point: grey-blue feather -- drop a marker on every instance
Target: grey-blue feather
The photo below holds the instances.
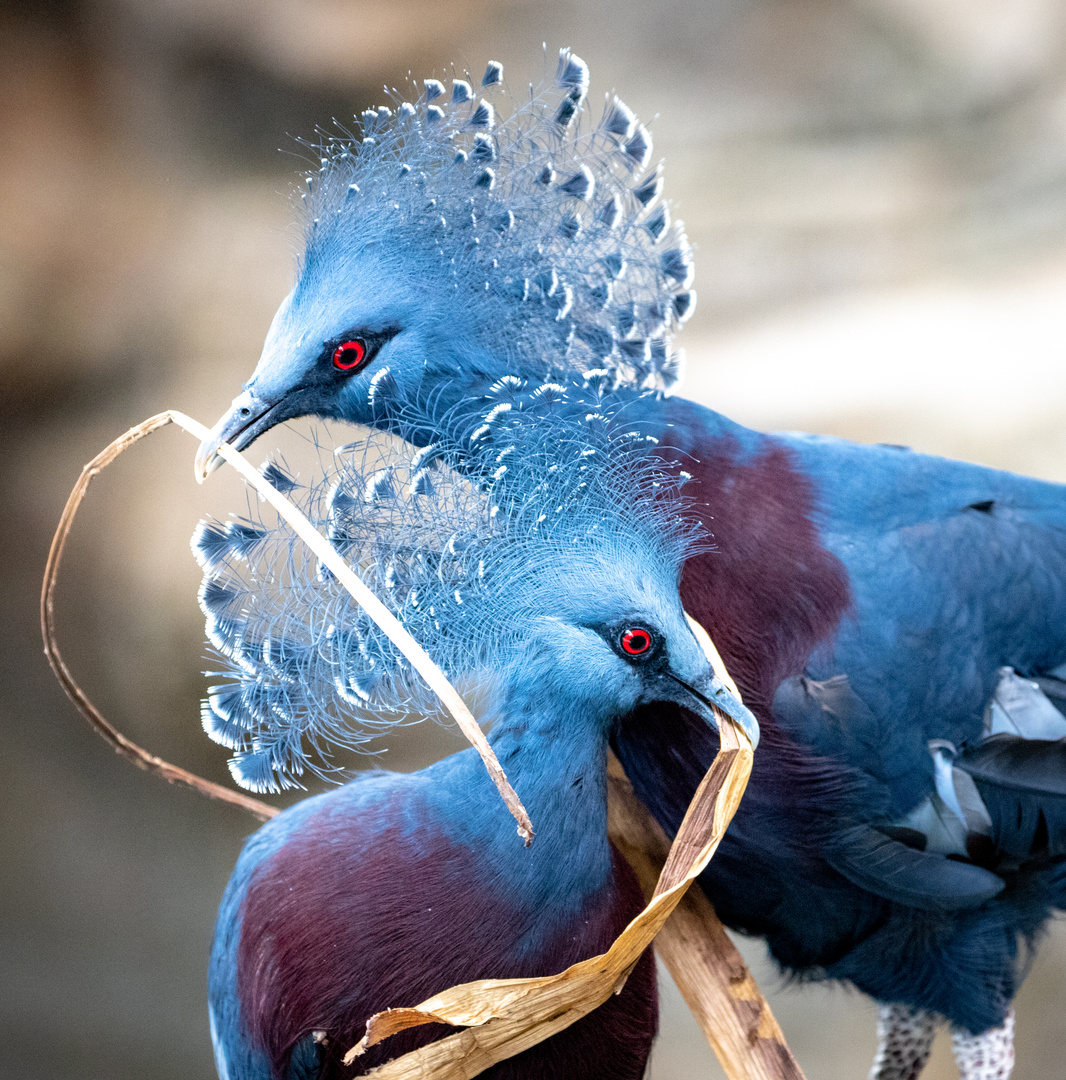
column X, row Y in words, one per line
column 565, row 198
column 467, row 542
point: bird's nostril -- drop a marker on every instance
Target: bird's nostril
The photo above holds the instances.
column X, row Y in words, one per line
column 246, row 411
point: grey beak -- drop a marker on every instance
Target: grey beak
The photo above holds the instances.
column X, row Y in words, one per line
column 699, row 697
column 248, row 417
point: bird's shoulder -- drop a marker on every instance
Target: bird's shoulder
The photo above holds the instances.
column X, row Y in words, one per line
column 884, row 487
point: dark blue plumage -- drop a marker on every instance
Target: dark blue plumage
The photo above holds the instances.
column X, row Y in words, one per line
column 865, row 598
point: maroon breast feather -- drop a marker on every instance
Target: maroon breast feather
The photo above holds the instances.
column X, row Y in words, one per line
column 770, row 592
column 339, row 924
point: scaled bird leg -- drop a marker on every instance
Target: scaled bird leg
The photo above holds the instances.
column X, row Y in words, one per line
column 904, row 1039
column 988, row 1056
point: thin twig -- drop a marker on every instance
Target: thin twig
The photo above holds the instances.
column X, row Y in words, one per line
column 393, row 628
column 121, row 744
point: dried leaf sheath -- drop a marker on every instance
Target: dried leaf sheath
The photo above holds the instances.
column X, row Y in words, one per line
column 506, row 1016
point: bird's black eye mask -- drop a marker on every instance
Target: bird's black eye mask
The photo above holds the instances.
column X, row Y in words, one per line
column 636, row 642
column 352, row 352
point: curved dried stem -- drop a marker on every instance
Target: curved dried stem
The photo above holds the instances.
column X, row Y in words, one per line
column 415, row 654
column 119, row 742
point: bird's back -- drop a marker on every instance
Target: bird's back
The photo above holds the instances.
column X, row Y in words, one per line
column 955, row 571
column 917, row 576
column 867, row 600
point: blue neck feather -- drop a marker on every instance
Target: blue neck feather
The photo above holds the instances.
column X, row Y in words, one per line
column 555, row 756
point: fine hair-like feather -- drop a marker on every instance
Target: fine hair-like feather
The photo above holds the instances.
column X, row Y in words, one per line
column 466, row 541
column 518, row 201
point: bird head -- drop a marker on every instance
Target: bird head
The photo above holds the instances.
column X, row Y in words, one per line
column 458, row 241
column 617, row 639
column 539, row 562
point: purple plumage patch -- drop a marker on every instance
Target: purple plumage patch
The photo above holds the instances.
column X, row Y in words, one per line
column 770, row 592
column 349, row 918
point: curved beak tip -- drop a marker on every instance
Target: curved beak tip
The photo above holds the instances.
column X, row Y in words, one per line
column 207, row 459
column 245, row 420
column 232, row 425
column 712, row 694
column 750, row 726
column 740, row 714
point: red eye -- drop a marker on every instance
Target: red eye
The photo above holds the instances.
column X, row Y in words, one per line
column 636, row 641
column 349, row 355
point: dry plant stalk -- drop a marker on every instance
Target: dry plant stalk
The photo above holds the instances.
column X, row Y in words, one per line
column 710, row 973
column 418, row 658
column 397, row 632
column 504, row 1017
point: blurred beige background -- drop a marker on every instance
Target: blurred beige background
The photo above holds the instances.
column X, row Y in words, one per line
column 877, row 193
